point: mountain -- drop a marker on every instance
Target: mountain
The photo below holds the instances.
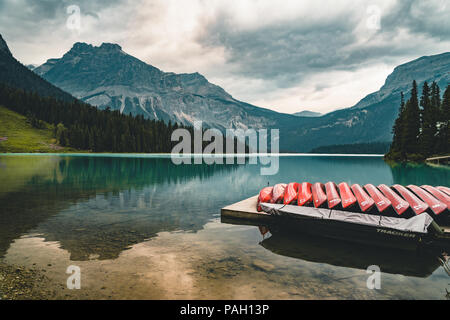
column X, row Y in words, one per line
column 16, row 75
column 372, row 118
column 106, row 76
column 307, row 113
column 37, row 104
column 4, row 47
column 428, row 68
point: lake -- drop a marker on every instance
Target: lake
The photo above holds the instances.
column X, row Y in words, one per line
column 141, row 227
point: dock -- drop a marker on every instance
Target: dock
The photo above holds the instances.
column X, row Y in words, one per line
column 439, row 160
column 244, row 210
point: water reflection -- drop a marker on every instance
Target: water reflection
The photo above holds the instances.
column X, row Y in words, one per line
column 420, row 174
column 96, row 207
column 350, row 255
column 100, row 206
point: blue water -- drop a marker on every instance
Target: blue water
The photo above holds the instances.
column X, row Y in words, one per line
column 116, row 211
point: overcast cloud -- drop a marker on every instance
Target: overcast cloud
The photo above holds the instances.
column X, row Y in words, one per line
column 283, row 55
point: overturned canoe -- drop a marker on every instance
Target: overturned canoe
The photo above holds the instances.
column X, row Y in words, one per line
column 395, row 201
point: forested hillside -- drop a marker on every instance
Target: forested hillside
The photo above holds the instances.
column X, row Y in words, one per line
column 84, row 127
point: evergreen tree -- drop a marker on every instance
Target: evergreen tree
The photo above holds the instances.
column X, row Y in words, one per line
column 436, row 113
column 411, row 124
column 396, row 149
column 443, row 141
column 428, row 121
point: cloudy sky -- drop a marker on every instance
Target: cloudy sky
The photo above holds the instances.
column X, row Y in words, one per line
column 284, row 55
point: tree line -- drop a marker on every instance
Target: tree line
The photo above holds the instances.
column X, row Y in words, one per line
column 422, row 128
column 85, row 127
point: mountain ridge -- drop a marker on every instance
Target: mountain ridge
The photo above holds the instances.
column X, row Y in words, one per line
column 16, row 75
column 4, row 47
column 107, row 76
column 307, row 113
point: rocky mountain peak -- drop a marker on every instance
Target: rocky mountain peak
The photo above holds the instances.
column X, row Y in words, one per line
column 110, row 47
column 80, row 47
column 426, row 68
column 83, row 48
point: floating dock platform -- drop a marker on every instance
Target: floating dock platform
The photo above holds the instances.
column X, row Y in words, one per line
column 244, row 213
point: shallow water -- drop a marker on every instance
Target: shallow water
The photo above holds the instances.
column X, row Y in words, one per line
column 142, row 227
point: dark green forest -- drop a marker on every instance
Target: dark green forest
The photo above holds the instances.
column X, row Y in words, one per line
column 85, row 127
column 422, row 128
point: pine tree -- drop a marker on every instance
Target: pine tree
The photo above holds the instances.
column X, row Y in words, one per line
column 436, row 114
column 396, row 149
column 411, row 128
column 443, row 145
column 428, row 121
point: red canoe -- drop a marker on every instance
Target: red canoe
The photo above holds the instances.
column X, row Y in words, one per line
column 436, row 206
column 415, row 203
column 347, row 197
column 364, row 201
column 290, row 193
column 265, row 195
column 304, row 193
column 319, row 196
column 441, row 196
column 381, row 201
column 332, row 195
column 399, row 205
column 278, row 193
column 444, row 190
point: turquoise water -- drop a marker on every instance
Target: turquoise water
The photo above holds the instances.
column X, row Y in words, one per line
column 147, row 222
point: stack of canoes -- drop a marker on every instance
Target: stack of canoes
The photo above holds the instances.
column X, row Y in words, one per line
column 396, row 200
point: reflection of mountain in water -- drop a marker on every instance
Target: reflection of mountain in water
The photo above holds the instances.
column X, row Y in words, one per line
column 102, row 205
column 349, row 255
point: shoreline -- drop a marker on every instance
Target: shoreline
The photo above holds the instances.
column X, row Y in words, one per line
column 19, row 283
column 94, row 154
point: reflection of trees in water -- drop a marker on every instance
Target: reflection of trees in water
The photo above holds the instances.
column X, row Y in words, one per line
column 107, row 223
column 115, row 173
column 420, row 174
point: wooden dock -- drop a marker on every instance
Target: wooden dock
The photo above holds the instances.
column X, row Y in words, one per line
column 439, row 160
column 245, row 209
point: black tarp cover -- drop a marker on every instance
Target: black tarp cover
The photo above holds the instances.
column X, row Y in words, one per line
column 417, row 224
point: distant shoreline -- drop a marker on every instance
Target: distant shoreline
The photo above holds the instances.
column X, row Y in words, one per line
column 99, row 154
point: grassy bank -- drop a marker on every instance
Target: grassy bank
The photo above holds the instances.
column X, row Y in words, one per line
column 17, row 135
